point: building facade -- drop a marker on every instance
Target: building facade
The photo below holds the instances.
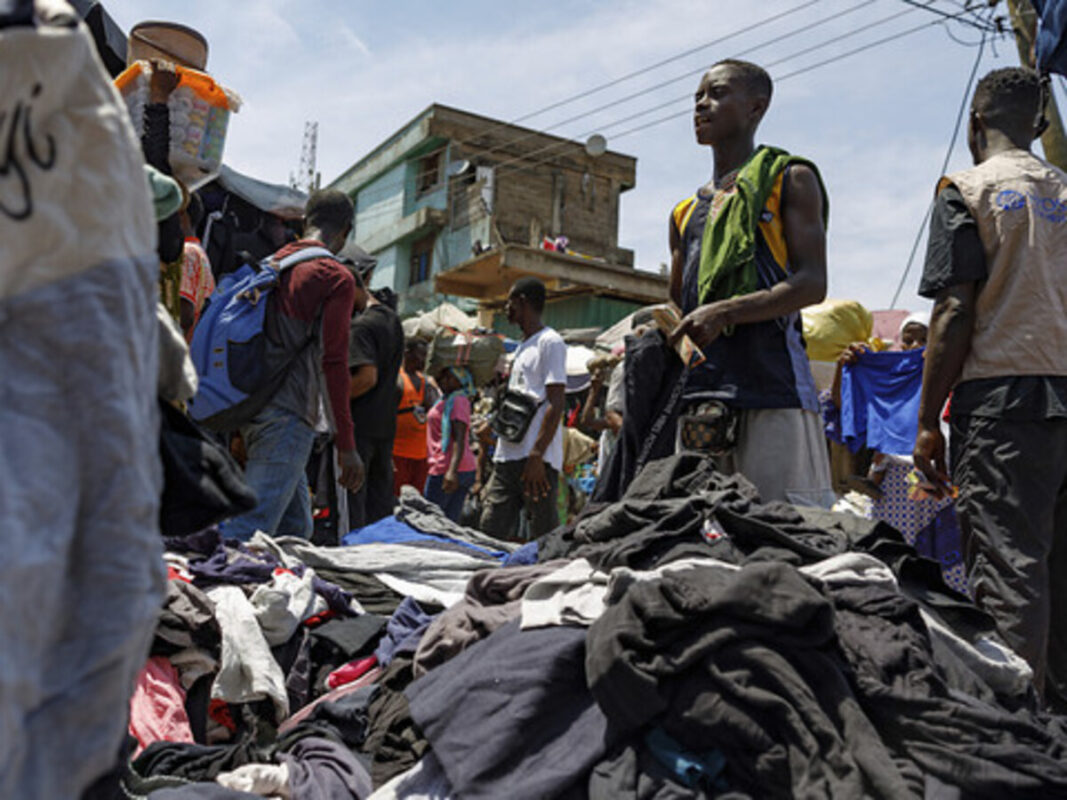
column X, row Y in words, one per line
column 455, row 204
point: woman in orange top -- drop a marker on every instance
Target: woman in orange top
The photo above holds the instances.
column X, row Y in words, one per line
column 409, row 447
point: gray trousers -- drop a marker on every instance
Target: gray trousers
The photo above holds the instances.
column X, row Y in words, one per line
column 504, row 499
column 1012, row 477
column 783, row 452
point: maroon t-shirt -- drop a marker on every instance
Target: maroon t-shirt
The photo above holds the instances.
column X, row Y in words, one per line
column 321, row 287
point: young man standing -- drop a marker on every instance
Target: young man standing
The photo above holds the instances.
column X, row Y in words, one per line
column 996, row 267
column 526, row 473
column 748, row 251
column 315, row 298
column 409, row 446
column 376, row 348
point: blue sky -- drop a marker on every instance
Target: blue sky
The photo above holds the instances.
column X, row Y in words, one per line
column 878, row 123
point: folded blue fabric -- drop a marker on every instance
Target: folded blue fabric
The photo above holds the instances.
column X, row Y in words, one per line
column 390, row 530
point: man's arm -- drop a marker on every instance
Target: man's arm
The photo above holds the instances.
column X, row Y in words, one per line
column 363, row 358
column 364, row 378
column 613, row 421
column 674, row 240
column 949, row 342
column 534, row 479
column 556, row 401
column 805, row 236
column 336, row 314
column 188, row 313
column 588, row 419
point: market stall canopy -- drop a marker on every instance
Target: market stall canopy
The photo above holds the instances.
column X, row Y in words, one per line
column 445, row 315
column 278, row 199
column 615, row 335
column 577, row 358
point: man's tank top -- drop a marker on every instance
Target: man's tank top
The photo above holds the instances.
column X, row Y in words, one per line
column 761, row 364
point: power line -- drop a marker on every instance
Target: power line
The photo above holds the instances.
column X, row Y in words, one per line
column 944, row 167
column 779, row 79
column 519, row 163
column 643, row 70
column 569, row 141
column 779, row 61
column 691, row 73
column 664, row 62
column 978, row 22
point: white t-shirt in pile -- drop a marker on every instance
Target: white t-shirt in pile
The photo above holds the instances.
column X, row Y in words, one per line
column 540, row 361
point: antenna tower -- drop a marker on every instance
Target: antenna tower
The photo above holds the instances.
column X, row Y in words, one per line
column 306, row 178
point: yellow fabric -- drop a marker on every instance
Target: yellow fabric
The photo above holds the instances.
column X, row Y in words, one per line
column 170, row 281
column 577, row 448
column 833, row 325
column 682, row 212
column 771, row 225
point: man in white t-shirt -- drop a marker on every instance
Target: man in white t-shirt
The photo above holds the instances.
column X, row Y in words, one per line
column 526, row 473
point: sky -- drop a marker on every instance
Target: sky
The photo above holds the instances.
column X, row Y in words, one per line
column 878, row 123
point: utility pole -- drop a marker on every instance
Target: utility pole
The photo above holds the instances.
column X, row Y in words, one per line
column 1024, row 26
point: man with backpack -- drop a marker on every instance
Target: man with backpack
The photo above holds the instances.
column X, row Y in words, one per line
column 308, row 316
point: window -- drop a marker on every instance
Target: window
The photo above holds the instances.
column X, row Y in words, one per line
column 462, row 192
column 421, row 260
column 428, row 174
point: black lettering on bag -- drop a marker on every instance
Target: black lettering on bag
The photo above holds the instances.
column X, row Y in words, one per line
column 16, row 128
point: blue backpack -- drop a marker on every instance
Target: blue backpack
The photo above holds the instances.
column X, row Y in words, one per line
column 240, row 369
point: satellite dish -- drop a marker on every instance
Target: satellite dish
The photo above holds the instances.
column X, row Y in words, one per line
column 457, row 168
column 596, row 145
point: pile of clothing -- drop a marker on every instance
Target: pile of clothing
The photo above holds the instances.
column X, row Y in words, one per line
column 686, row 641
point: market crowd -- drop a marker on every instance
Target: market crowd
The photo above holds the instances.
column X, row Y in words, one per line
column 398, row 566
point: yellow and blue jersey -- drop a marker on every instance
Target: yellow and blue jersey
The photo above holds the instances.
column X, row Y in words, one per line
column 761, row 364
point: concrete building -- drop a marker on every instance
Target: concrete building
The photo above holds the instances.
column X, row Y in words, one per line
column 459, row 205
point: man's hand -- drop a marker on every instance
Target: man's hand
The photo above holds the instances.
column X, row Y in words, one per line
column 534, row 480
column 450, row 482
column 703, row 325
column 352, row 471
column 929, row 456
column 852, row 353
column 164, row 81
column 483, row 432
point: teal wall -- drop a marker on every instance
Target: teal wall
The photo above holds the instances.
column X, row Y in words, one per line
column 380, row 204
column 586, row 311
column 392, row 267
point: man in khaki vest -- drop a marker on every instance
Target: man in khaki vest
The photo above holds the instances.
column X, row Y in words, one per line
column 997, row 267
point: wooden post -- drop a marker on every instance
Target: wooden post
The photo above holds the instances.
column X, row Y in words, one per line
column 1024, row 26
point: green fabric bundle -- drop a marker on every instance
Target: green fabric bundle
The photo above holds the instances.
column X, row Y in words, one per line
column 728, row 248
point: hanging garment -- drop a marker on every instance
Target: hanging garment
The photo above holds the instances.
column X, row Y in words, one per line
column 880, row 401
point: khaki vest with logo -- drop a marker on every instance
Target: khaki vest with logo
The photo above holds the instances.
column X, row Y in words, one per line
column 1020, row 205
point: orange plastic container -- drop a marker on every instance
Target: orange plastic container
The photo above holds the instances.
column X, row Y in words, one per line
column 200, row 111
